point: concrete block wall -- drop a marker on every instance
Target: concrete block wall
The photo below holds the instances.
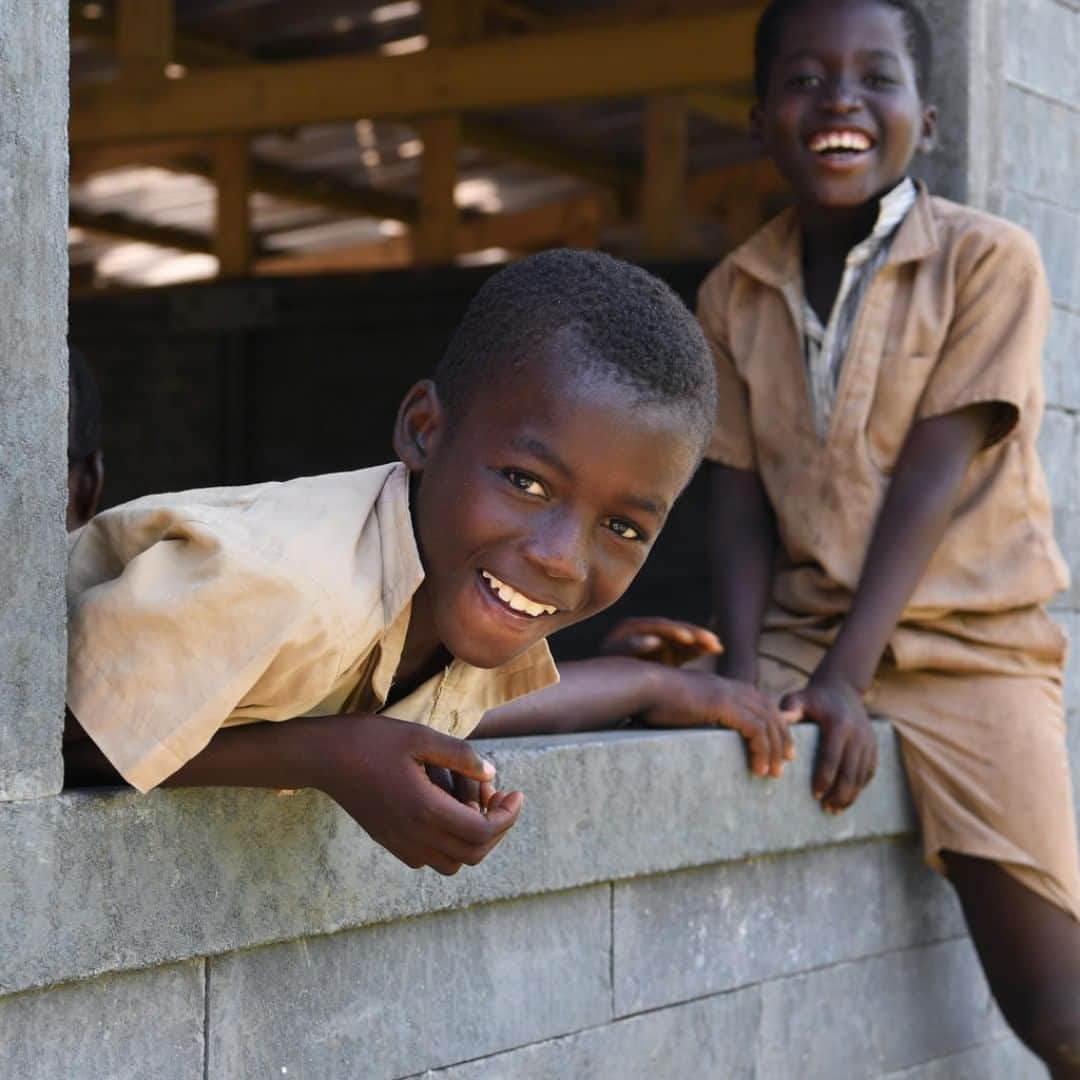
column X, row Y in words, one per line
column 733, row 931
column 658, row 912
column 1041, row 91
column 33, row 391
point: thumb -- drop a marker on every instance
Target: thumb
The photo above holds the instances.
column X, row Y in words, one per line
column 793, row 705
column 454, row 754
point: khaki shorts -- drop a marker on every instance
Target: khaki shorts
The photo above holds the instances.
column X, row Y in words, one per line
column 987, row 764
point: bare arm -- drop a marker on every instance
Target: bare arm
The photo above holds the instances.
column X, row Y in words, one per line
column 596, row 693
column 374, row 767
column 742, row 545
column 913, row 519
column 591, row 694
column 916, row 512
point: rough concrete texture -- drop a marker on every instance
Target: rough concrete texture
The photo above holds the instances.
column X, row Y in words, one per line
column 121, row 1027
column 888, row 1014
column 33, row 391
column 1062, row 349
column 97, row 882
column 702, row 932
column 710, row 1038
column 1059, row 444
column 969, row 46
column 878, row 1015
column 1056, row 228
column 1044, row 146
column 1005, row 1060
column 390, row 1000
column 1043, row 57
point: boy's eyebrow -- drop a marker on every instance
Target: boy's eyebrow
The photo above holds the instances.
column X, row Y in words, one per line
column 656, row 507
column 865, row 54
column 541, row 450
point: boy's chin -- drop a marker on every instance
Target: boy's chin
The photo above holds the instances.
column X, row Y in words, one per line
column 480, row 653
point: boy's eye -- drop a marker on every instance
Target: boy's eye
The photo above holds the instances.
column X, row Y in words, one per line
column 624, row 529
column 880, row 80
column 526, row 483
column 804, row 82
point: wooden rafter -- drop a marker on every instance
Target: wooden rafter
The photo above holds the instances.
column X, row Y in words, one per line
column 575, row 220
column 656, row 56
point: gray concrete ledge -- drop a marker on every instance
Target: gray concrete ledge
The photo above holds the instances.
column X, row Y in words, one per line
column 92, row 882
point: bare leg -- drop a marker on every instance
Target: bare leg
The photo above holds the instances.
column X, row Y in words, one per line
column 1030, row 951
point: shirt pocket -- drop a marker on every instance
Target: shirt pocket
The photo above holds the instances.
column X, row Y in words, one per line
column 901, row 382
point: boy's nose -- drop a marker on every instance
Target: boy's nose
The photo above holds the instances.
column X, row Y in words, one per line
column 840, row 96
column 560, row 551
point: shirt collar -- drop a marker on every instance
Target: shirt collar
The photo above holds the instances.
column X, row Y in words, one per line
column 773, row 254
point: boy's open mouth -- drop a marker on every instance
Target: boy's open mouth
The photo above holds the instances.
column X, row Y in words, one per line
column 840, row 144
column 516, row 601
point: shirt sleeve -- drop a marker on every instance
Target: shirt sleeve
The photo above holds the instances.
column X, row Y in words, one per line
column 172, row 626
column 732, row 441
column 993, row 350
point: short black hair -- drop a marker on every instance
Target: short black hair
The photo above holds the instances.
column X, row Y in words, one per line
column 84, row 408
column 626, row 323
column 920, row 40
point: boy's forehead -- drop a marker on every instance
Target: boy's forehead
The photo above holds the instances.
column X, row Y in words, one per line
column 823, row 26
column 566, row 413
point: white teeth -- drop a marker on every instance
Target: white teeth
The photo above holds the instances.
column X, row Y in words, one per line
column 839, row 140
column 515, row 600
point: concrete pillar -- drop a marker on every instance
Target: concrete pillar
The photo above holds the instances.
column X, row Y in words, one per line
column 969, row 91
column 33, row 391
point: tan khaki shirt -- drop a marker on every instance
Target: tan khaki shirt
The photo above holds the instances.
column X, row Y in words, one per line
column 956, row 315
column 191, row 611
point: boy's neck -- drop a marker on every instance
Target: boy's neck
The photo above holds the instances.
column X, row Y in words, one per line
column 829, row 233
column 423, row 654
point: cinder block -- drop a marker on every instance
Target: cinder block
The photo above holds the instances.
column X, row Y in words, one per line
column 919, row 905
column 33, row 393
column 184, row 874
column 706, row 931
column 716, row 1037
column 391, row 1000
column 1059, row 445
column 1007, row 1059
column 1067, row 533
column 879, row 1015
column 1058, row 232
column 1062, row 359
column 1043, row 137
column 1043, row 56
column 121, row 1027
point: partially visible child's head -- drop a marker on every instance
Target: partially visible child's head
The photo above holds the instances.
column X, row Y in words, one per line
column 86, row 468
column 570, row 410
column 842, row 88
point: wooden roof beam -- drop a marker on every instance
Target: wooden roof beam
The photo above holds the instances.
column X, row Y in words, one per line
column 654, row 56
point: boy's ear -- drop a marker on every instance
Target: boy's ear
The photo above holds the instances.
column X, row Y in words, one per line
column 756, row 122
column 421, row 421
column 86, row 478
column 928, row 138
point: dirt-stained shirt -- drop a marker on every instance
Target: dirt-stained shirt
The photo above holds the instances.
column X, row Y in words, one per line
column 188, row 612
column 955, row 316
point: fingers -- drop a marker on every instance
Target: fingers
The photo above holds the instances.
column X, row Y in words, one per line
column 441, row 778
column 829, row 754
column 856, row 769
column 466, row 791
column 648, row 636
column 434, row 748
